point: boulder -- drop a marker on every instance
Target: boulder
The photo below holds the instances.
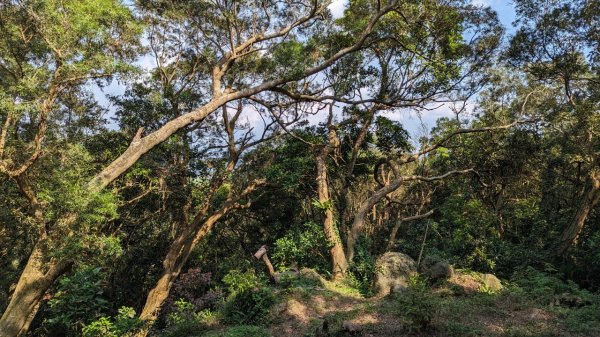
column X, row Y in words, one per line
column 439, row 271
column 351, row 327
column 570, row 300
column 310, row 274
column 393, row 271
column 491, row 282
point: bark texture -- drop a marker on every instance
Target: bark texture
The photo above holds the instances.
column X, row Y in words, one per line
column 35, row 280
column 180, row 251
column 338, row 258
column 591, row 197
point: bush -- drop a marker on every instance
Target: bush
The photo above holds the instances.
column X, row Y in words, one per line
column 305, row 246
column 78, row 301
column 191, row 293
column 417, row 305
column 250, row 306
column 235, row 281
column 541, row 286
column 125, row 324
column 185, row 321
column 362, row 269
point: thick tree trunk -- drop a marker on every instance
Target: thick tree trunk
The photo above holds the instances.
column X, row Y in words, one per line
column 172, row 264
column 338, row 258
column 176, row 258
column 35, row 280
column 591, row 197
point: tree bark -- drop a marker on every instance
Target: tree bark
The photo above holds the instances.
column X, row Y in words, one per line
column 591, row 197
column 179, row 253
column 338, row 258
column 359, row 219
column 399, row 222
column 33, row 283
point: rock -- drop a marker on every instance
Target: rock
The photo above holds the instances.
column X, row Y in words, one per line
column 351, row 327
column 439, row 271
column 491, row 282
column 393, row 271
column 310, row 274
column 570, row 300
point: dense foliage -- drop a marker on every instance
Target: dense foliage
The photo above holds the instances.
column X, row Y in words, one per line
column 149, row 148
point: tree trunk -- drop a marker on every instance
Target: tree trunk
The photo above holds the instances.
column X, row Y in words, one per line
column 35, row 280
column 338, row 258
column 399, row 223
column 359, row 219
column 180, row 251
column 591, row 197
column 172, row 264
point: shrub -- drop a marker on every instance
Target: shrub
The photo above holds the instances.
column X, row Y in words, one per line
column 77, row 301
column 305, row 246
column 235, row 281
column 193, row 291
column 249, row 306
column 125, row 324
column 185, row 321
column 362, row 269
column 540, row 286
column 183, row 312
column 417, row 305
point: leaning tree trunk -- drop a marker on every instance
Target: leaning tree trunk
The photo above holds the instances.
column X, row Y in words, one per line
column 36, row 278
column 180, row 251
column 176, row 258
column 359, row 219
column 338, row 258
column 591, row 198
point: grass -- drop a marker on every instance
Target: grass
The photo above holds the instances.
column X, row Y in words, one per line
column 444, row 311
column 239, row 331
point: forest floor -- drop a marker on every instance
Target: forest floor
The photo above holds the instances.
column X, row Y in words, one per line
column 459, row 307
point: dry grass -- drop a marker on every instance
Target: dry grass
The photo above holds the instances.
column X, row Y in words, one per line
column 461, row 310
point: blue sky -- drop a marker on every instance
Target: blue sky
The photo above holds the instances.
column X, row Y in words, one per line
column 419, row 125
column 415, row 124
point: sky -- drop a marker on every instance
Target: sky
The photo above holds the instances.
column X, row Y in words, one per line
column 419, row 125
column 416, row 125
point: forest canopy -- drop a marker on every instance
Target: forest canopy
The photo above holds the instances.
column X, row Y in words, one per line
column 207, row 167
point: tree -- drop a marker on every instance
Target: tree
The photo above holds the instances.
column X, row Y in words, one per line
column 557, row 45
column 419, row 57
column 49, row 51
column 246, row 51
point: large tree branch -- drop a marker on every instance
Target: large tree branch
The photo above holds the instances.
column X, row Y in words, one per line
column 138, row 148
column 359, row 219
column 440, row 143
column 399, row 223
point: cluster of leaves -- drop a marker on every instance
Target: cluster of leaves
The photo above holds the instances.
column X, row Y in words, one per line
column 248, row 300
column 417, row 304
column 305, row 246
column 362, row 270
column 78, row 300
column 125, row 324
